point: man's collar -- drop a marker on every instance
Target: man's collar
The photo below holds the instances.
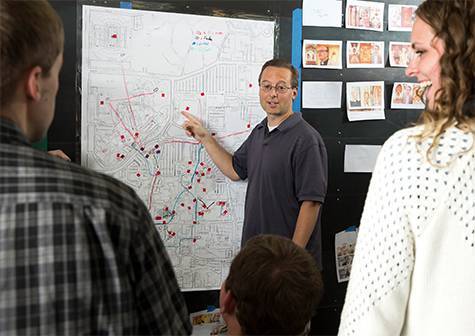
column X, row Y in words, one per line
column 10, row 133
column 288, row 123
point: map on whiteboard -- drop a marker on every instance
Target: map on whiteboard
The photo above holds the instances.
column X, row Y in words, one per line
column 140, row 69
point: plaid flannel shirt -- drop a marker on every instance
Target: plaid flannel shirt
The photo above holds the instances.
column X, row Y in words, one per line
column 79, row 253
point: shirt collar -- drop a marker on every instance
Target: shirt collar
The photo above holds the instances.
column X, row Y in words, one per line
column 286, row 124
column 11, row 134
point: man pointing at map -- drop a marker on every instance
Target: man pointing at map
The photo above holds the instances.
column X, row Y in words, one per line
column 284, row 161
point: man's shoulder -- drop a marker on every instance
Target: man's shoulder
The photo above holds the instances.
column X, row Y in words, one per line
column 307, row 131
column 42, row 175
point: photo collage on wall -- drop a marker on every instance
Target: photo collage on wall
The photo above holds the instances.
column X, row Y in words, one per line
column 365, row 100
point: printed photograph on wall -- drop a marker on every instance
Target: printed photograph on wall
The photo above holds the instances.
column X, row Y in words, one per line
column 407, row 96
column 365, row 100
column 322, row 54
column 365, row 54
column 401, row 17
column 400, row 54
column 364, row 15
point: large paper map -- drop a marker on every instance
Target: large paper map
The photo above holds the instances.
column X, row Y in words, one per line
column 140, row 69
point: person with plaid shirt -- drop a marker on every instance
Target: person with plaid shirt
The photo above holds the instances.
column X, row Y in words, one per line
column 79, row 253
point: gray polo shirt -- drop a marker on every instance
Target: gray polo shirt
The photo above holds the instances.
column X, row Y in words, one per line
column 284, row 168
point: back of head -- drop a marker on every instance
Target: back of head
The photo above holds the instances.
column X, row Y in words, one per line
column 31, row 34
column 276, row 285
column 453, row 21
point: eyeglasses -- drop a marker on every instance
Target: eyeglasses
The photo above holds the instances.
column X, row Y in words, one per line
column 279, row 88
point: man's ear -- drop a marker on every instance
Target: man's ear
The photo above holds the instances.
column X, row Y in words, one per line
column 294, row 93
column 229, row 303
column 33, row 83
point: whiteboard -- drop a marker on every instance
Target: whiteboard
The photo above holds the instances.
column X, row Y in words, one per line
column 140, row 69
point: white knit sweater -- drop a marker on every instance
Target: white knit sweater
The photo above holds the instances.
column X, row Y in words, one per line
column 414, row 268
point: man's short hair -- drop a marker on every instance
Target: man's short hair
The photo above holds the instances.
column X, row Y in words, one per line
column 280, row 63
column 26, row 42
column 276, row 286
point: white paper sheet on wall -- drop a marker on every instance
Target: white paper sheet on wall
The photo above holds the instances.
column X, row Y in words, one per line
column 321, row 94
column 361, row 158
column 322, row 13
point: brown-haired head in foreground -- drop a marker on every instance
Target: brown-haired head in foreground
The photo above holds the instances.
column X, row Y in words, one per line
column 31, row 34
column 276, row 286
column 280, row 63
column 453, row 21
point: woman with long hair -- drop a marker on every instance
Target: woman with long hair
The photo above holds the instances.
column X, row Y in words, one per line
column 414, row 266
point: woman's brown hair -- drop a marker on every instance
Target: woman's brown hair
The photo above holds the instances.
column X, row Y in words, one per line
column 452, row 21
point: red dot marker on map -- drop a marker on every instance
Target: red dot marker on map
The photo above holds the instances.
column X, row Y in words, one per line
column 187, row 108
column 250, row 85
column 248, row 126
column 114, row 36
column 101, row 102
column 194, row 240
column 158, row 172
column 202, row 94
column 138, row 174
column 122, row 137
column 163, row 95
column 158, row 217
column 136, row 134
